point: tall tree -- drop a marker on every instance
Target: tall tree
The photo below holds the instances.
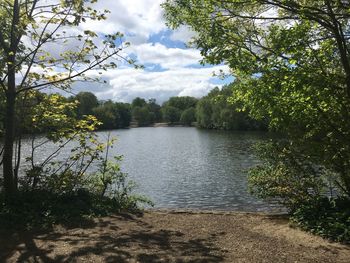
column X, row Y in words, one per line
column 155, row 109
column 182, row 103
column 214, row 111
column 87, row 101
column 29, row 30
column 138, row 102
column 171, row 114
column 292, row 61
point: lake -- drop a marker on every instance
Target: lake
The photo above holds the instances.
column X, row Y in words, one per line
column 186, row 167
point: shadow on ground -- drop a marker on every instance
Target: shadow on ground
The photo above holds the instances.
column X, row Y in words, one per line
column 122, row 238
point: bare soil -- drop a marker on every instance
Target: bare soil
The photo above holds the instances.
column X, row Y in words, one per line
column 174, row 236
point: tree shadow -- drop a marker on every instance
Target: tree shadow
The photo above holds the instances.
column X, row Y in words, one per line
column 116, row 239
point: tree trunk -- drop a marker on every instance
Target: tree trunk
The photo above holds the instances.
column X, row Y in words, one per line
column 9, row 182
column 10, row 185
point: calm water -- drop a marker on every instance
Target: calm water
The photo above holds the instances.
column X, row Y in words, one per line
column 182, row 167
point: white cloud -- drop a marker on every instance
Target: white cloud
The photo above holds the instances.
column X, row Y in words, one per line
column 126, row 84
column 139, row 18
column 167, row 58
column 183, row 33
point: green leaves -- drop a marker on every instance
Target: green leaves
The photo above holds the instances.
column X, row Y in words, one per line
column 291, row 62
column 47, row 26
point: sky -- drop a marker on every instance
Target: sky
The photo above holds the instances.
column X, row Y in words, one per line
column 171, row 69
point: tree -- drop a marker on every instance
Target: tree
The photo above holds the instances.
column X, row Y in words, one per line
column 203, row 113
column 2, row 110
column 28, row 30
column 124, row 111
column 107, row 113
column 215, row 111
column 188, row 116
column 113, row 115
column 145, row 113
column 173, row 109
column 182, row 103
column 292, row 63
column 155, row 109
column 171, row 114
column 54, row 115
column 87, row 101
column 141, row 115
column 138, row 102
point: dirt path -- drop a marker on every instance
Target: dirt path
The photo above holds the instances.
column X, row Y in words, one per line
column 174, row 237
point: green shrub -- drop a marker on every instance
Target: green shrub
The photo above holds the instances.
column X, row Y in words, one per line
column 68, row 202
column 329, row 218
column 40, row 208
column 293, row 179
column 285, row 175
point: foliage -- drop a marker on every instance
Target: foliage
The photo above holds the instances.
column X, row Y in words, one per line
column 171, row 114
column 28, row 30
column 204, row 113
column 113, row 115
column 54, row 115
column 110, row 181
column 71, row 195
column 329, row 218
column 174, row 108
column 51, row 114
column 2, row 111
column 138, row 102
column 188, row 116
column 142, row 115
column 291, row 61
column 87, row 101
column 215, row 111
column 124, row 112
column 182, row 103
column 107, row 114
column 43, row 209
column 308, row 191
column 291, row 67
column 155, row 110
column 286, row 176
column 145, row 113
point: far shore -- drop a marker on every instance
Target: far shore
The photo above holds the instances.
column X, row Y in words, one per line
column 174, row 236
column 162, row 124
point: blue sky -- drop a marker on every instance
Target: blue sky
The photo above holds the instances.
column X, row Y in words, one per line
column 171, row 69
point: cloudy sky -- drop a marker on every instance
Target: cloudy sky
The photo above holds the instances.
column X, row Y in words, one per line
column 171, row 69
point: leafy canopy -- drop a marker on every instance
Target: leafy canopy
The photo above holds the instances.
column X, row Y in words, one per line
column 291, row 61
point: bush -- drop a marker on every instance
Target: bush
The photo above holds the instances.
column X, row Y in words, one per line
column 293, row 179
column 105, row 192
column 285, row 176
column 329, row 218
column 43, row 209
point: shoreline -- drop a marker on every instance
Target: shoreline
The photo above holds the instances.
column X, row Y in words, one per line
column 214, row 211
column 174, row 236
column 160, row 124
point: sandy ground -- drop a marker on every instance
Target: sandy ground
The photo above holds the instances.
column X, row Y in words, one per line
column 165, row 236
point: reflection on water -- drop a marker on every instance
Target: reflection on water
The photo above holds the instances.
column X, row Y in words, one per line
column 190, row 168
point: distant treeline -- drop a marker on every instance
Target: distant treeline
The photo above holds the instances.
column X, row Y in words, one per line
column 213, row 111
